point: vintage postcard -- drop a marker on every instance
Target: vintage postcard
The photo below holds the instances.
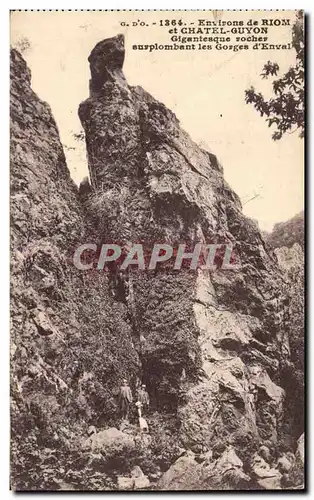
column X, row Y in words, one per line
column 157, row 250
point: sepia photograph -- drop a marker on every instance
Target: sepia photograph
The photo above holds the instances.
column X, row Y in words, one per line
column 157, row 250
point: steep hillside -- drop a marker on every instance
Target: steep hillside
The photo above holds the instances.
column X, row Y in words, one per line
column 287, row 239
column 285, row 234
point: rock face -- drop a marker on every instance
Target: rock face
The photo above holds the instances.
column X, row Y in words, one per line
column 137, row 481
column 223, row 328
column 45, row 223
column 291, row 262
column 288, row 240
column 285, row 234
column 224, row 473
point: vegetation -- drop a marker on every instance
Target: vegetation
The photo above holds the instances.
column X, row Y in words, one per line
column 285, row 109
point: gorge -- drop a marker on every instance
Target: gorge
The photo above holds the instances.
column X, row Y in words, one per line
column 212, row 346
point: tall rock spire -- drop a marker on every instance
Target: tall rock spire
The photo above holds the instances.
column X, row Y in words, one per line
column 152, row 183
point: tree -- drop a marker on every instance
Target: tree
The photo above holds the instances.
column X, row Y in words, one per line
column 23, row 45
column 286, row 109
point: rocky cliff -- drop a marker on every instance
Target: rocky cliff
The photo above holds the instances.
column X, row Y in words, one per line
column 211, row 346
column 65, row 363
column 223, row 329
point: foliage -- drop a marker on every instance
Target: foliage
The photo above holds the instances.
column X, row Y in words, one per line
column 103, row 348
column 286, row 109
column 23, row 45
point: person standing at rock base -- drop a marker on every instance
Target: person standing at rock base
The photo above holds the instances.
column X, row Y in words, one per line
column 143, row 397
column 125, row 399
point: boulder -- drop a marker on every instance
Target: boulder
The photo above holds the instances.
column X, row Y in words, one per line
column 228, row 459
column 270, row 483
column 261, row 380
column 137, row 472
column 110, row 443
column 141, row 483
column 125, row 483
column 266, row 476
column 284, row 464
column 137, row 481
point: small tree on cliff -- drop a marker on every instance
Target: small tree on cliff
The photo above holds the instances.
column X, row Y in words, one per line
column 23, row 45
column 286, row 108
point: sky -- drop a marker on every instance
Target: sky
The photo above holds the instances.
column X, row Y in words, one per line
column 205, row 89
